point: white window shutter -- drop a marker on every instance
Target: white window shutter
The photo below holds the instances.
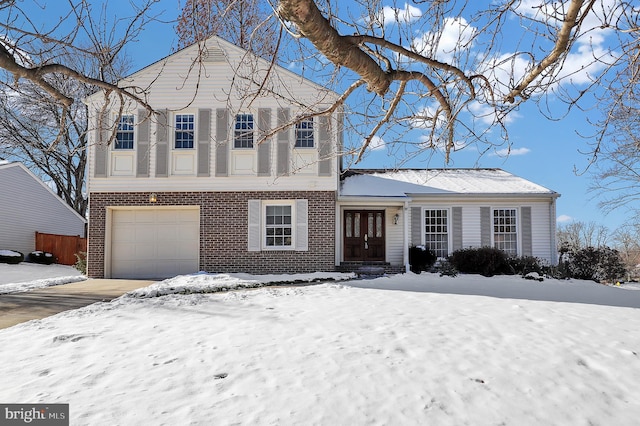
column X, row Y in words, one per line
column 302, row 225
column 254, row 225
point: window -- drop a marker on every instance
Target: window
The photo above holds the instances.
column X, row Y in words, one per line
column 278, row 230
column 436, row 235
column 124, row 135
column 505, row 234
column 243, row 133
column 184, row 131
column 304, row 133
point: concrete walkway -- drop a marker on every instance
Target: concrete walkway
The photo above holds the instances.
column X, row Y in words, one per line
column 40, row 303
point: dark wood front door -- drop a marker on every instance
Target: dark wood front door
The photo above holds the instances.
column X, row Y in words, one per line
column 363, row 235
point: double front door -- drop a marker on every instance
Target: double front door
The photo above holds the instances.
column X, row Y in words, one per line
column 363, row 235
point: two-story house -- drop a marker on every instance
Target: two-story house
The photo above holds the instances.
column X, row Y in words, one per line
column 220, row 180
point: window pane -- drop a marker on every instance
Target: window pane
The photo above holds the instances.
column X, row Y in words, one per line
column 124, row 135
column 278, row 228
column 436, row 231
column 349, row 225
column 243, row 133
column 184, row 131
column 505, row 235
column 304, row 134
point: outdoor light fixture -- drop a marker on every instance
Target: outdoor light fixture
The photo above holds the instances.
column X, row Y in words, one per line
column 396, row 218
column 153, row 197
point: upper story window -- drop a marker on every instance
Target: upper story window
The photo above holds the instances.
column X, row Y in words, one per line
column 243, row 132
column 124, row 135
column 436, row 235
column 505, row 234
column 304, row 134
column 184, row 131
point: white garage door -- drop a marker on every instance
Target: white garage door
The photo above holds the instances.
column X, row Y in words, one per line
column 158, row 243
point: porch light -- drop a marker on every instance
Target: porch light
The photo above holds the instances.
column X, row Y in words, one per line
column 396, row 218
column 153, row 197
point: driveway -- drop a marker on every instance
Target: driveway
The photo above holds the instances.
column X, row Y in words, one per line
column 36, row 304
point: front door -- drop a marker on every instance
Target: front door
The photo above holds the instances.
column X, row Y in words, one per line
column 363, row 235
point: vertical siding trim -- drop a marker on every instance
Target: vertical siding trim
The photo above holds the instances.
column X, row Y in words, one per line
column 222, row 142
column 162, row 144
column 525, row 220
column 142, row 144
column 324, row 146
column 204, row 142
column 253, row 237
column 456, row 228
column 416, row 226
column 264, row 148
column 485, row 226
column 283, row 147
column 302, row 225
column 100, row 146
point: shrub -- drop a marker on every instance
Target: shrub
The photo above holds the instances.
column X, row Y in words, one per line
column 81, row 262
column 42, row 257
column 421, row 259
column 596, row 264
column 445, row 268
column 523, row 265
column 11, row 257
column 486, row 261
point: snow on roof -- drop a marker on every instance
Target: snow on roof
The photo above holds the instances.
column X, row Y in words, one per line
column 381, row 183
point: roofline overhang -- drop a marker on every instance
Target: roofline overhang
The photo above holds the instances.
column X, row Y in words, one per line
column 420, row 196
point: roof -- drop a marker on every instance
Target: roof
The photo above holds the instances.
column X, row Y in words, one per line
column 398, row 183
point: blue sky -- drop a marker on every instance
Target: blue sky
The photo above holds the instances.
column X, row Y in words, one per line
column 543, row 151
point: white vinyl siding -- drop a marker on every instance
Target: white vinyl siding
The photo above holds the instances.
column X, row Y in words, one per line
column 22, row 215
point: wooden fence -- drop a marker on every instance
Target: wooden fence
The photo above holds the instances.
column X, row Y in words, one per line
column 64, row 247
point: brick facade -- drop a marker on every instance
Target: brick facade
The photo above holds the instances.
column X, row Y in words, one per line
column 223, row 230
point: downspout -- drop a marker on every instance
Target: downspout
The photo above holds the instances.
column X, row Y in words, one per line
column 405, row 224
column 552, row 219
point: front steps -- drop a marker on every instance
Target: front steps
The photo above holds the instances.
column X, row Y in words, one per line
column 371, row 268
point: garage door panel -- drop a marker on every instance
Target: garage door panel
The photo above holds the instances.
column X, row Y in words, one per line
column 156, row 243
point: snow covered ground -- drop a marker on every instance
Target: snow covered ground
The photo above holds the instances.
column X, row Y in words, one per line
column 28, row 276
column 401, row 350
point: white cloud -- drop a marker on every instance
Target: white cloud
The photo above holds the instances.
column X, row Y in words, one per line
column 391, row 15
column 487, row 115
column 507, row 152
column 426, row 141
column 563, row 218
column 376, row 143
column 456, row 33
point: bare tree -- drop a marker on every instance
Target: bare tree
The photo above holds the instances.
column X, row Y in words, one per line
column 420, row 76
column 627, row 242
column 34, row 51
column 578, row 235
column 616, row 177
column 249, row 24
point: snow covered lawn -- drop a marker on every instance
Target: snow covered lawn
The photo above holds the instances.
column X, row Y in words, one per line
column 400, row 350
column 28, row 276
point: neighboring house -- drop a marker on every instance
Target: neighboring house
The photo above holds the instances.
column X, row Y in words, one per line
column 27, row 206
column 203, row 186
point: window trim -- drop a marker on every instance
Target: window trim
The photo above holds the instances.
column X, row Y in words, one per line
column 118, row 122
column 264, row 226
column 253, row 131
column 449, row 230
column 517, row 229
column 314, row 136
column 192, row 131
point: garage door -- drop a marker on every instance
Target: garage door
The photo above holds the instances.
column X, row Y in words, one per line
column 154, row 243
